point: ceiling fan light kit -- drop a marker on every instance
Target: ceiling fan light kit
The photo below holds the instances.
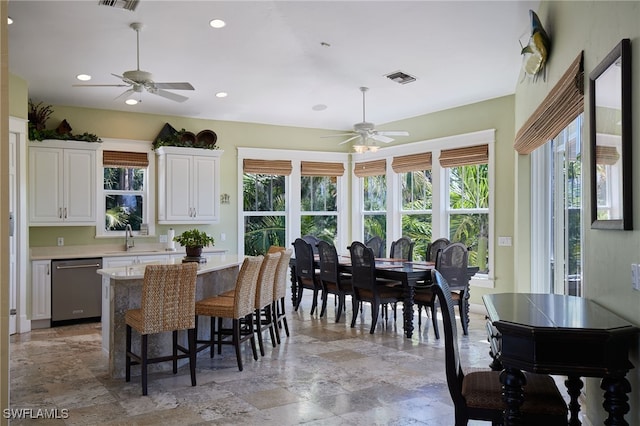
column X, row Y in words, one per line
column 138, row 80
column 367, row 134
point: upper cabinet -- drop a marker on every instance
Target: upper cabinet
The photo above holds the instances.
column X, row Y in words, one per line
column 62, row 183
column 188, row 185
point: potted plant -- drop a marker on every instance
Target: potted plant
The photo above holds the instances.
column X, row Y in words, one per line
column 194, row 241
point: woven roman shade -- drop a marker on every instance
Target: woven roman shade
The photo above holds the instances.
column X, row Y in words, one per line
column 561, row 106
column 607, row 155
column 317, row 168
column 125, row 159
column 267, row 167
column 467, row 156
column 370, row 168
column 411, row 163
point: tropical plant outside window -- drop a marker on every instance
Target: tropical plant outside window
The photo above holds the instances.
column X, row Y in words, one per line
column 124, row 192
column 468, row 211
column 318, row 205
column 416, row 209
column 264, row 207
column 374, row 207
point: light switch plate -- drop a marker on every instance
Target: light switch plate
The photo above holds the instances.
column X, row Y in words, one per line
column 504, row 241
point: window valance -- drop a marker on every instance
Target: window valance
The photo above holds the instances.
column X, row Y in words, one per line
column 317, row 168
column 561, row 106
column 411, row 163
column 370, row 168
column 466, row 156
column 267, row 167
column 125, row 159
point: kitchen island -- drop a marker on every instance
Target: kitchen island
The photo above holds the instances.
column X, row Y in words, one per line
column 122, row 290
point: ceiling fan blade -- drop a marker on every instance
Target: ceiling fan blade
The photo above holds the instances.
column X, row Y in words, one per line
column 381, row 138
column 99, row 85
column 169, row 95
column 174, row 86
column 125, row 94
column 349, row 140
column 393, row 133
column 126, row 80
column 338, row 135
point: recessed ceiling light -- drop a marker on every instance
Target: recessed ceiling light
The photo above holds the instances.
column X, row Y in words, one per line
column 9, row 20
column 131, row 101
column 319, row 107
column 217, row 23
column 83, row 77
column 222, row 95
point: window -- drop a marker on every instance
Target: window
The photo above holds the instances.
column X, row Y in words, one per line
column 319, row 212
column 468, row 211
column 125, row 193
column 374, row 197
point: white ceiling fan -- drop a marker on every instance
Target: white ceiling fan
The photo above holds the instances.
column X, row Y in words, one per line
column 366, row 131
column 139, row 80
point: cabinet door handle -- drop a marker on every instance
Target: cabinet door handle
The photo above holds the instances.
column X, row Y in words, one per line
column 65, row 212
column 48, row 270
column 60, row 212
column 194, row 212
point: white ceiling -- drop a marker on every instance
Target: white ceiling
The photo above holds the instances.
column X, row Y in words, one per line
column 270, row 57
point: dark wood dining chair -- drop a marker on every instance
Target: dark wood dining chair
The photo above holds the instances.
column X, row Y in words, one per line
column 367, row 287
column 377, row 245
column 313, row 240
column 453, row 263
column 306, row 275
column 434, row 247
column 402, row 248
column 478, row 395
column 333, row 281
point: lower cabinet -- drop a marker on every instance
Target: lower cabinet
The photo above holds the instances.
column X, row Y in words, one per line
column 41, row 290
column 117, row 261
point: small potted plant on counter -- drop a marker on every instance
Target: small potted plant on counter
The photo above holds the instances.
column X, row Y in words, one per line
column 194, row 241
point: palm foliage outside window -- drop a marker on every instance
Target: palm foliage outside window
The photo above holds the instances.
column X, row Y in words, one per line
column 318, row 206
column 374, row 208
column 264, row 207
column 417, row 204
column 124, row 192
column 468, row 211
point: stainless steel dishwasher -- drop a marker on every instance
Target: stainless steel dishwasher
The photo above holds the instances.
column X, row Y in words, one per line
column 75, row 291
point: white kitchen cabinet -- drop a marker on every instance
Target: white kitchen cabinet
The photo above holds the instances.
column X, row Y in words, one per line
column 62, row 183
column 40, row 290
column 188, row 185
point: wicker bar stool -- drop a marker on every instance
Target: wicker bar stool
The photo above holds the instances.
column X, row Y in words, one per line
column 264, row 298
column 168, row 300
column 239, row 306
column 280, row 291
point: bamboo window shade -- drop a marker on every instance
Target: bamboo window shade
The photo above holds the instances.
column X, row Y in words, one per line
column 370, row 168
column 467, row 156
column 125, row 159
column 607, row 155
column 267, row 167
column 411, row 163
column 561, row 106
column 317, row 168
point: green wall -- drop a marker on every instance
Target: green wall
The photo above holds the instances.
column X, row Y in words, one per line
column 595, row 28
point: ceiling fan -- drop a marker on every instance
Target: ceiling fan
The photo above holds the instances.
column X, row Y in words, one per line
column 138, row 80
column 366, row 131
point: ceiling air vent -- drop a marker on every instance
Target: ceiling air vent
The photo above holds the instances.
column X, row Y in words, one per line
column 120, row 4
column 400, row 77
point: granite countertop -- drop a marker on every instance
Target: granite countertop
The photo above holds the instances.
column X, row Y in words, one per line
column 111, row 250
column 214, row 262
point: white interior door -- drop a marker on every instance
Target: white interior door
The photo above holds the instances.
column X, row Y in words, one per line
column 13, row 284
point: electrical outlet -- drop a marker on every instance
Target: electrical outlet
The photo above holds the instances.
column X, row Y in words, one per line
column 60, row 241
column 163, row 238
column 223, row 236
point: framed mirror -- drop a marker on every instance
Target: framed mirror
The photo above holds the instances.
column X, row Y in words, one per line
column 610, row 139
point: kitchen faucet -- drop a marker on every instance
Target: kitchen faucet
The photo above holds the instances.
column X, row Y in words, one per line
column 128, row 237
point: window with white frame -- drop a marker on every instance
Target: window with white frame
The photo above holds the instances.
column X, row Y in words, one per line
column 264, row 204
column 374, row 198
column 416, row 201
column 319, row 199
column 125, row 191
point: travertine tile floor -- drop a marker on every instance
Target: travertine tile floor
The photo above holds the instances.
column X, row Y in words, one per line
column 325, row 373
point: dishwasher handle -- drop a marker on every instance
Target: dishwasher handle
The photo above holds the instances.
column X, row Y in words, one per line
column 89, row 265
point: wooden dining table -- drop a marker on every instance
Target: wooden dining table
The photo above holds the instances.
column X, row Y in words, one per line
column 408, row 273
